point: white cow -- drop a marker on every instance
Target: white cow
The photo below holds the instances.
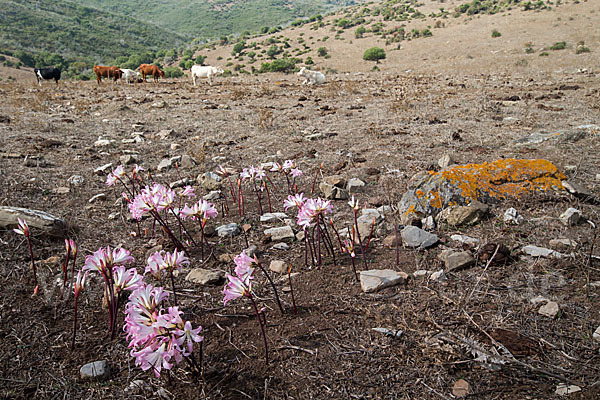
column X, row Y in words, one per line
column 199, row 71
column 311, row 77
column 130, row 75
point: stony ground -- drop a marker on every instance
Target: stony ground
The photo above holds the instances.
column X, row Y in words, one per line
column 379, row 128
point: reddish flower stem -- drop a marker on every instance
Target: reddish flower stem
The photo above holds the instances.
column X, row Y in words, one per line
column 272, row 285
column 261, row 327
column 35, row 281
column 74, row 324
column 292, row 289
column 362, row 249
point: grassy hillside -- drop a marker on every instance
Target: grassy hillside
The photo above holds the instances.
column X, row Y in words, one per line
column 72, row 30
column 210, row 19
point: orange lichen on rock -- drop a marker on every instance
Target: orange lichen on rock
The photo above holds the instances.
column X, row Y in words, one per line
column 503, row 178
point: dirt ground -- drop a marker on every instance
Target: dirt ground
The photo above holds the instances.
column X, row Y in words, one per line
column 379, row 127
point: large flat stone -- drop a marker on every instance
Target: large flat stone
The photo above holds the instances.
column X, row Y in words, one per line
column 97, row 370
column 36, row 220
column 376, row 279
column 205, row 276
column 280, row 233
column 417, row 237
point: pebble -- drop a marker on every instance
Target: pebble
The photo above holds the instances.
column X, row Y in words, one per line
column 128, row 159
column 104, row 169
column 278, row 266
column 280, row 233
column 535, row 251
column 251, row 251
column 596, row 334
column 280, row 246
column 550, row 309
column 165, row 133
column 138, row 387
column 421, row 273
column 563, row 244
column 445, row 161
column 354, row 184
column 511, row 216
column 389, row 332
column 459, row 260
column 438, row 276
column 376, row 279
column 205, row 276
column 213, row 195
column 571, row 217
column 75, row 180
column 269, row 217
column 465, row 239
column 102, row 142
column 97, row 370
column 165, row 163
column 228, row 230
column 99, row 196
column 418, row 238
column 563, row 389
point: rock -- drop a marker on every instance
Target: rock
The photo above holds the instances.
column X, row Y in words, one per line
column 138, row 387
column 535, row 251
column 428, row 223
column 563, row 244
column 596, row 335
column 464, row 239
column 571, row 217
column 396, row 333
column 226, row 258
column 418, row 238
column 164, row 133
column 563, row 389
column 280, row 233
column 538, row 300
column 444, row 254
column 354, row 184
column 103, row 170
column 365, row 221
column 278, row 266
column 459, row 260
column 301, row 235
column 550, row 309
column 228, row 230
column 212, row 195
column 187, row 162
column 580, row 192
column 159, row 104
column 102, row 142
column 36, row 220
column 61, row 190
column 280, row 246
column 97, row 370
column 511, row 216
column 438, row 276
column 164, row 394
column 76, row 180
column 464, row 215
column 390, row 240
column 270, row 217
column 251, row 251
column 335, row 180
column 209, row 180
column 461, row 388
column 376, row 279
column 445, row 161
column 164, row 164
column 99, row 196
column 488, row 183
column 181, row 183
column 421, row 273
column 333, row 192
column 127, row 159
column 205, row 276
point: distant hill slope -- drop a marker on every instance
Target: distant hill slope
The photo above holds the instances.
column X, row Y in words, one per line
column 212, row 18
column 73, row 30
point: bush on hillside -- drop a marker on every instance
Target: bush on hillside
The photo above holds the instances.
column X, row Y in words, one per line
column 374, row 54
column 282, row 65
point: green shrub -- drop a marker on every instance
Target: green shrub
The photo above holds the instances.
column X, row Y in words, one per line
column 238, row 48
column 273, row 51
column 309, row 61
column 281, row 65
column 359, row 32
column 374, row 54
column 200, row 59
column 544, row 54
column 559, row 46
column 322, row 51
column 496, row 34
column 173, row 72
column 582, row 49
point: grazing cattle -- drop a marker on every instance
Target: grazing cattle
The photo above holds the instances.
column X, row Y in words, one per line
column 47, row 73
column 130, row 75
column 311, row 77
column 107, row 72
column 148, row 69
column 199, row 71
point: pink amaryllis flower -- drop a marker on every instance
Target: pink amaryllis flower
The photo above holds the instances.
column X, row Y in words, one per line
column 115, row 175
column 79, row 283
column 309, row 213
column 104, row 259
column 253, row 173
column 187, row 191
column 296, row 200
column 23, row 228
column 244, row 266
column 165, row 261
column 202, row 210
column 236, row 288
column 126, row 279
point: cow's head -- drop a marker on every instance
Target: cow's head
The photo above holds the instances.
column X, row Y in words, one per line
column 162, row 73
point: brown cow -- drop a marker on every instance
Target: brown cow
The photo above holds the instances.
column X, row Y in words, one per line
column 107, row 72
column 148, row 69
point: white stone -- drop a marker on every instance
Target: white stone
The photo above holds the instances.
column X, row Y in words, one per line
column 377, row 279
column 465, row 239
column 102, row 142
column 278, row 266
column 445, row 161
column 213, row 195
column 535, row 251
column 570, row 217
column 596, row 334
column 228, row 230
column 421, row 273
column 562, row 389
column 104, row 169
column 75, row 180
column 165, row 133
column 165, row 163
column 511, row 216
column 438, row 276
column 97, row 370
column 538, row 300
column 280, row 246
column 280, row 233
column 354, row 184
column 99, row 196
column 268, row 217
column 550, row 309
column 389, row 332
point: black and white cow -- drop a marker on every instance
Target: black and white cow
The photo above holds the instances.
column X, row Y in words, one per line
column 47, row 73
